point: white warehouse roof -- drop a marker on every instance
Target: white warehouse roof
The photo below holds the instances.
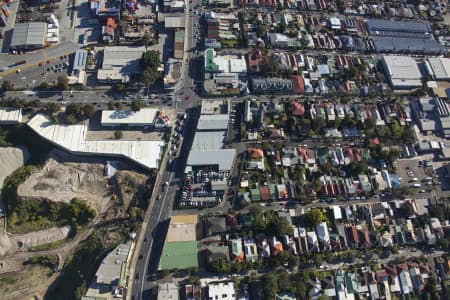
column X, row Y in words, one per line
column 402, row 71
column 213, row 122
column 144, row 116
column 72, row 138
column 438, row 67
column 10, row 115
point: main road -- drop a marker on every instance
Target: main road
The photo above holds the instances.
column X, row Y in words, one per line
column 150, row 243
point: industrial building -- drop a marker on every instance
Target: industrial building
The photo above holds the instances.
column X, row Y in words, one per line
column 143, row 117
column 78, row 75
column 432, row 115
column 224, row 63
column 180, row 247
column 438, row 68
column 403, row 37
column 29, row 36
column 120, row 63
column 72, row 138
column 10, row 115
column 402, row 72
column 174, row 22
column 110, row 279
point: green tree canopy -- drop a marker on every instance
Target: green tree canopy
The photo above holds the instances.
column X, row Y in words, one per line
column 150, row 59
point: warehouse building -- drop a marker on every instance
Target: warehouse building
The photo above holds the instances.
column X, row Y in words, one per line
column 29, row 36
column 10, row 115
column 120, row 63
column 403, row 37
column 143, row 117
column 402, row 72
column 438, row 68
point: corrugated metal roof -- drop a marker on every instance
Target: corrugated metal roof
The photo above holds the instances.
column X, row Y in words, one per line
column 222, row 157
column 213, row 122
column 29, row 34
column 79, row 62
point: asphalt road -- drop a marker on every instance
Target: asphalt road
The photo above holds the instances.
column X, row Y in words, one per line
column 155, row 230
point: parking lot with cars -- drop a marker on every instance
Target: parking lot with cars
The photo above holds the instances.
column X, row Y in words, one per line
column 46, row 71
column 417, row 173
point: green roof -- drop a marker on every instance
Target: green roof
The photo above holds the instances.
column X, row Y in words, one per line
column 350, row 283
column 256, row 194
column 210, row 65
column 123, row 274
column 179, row 255
column 273, row 191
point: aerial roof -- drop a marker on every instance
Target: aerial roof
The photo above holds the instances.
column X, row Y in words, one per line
column 72, row 138
column 208, row 140
column 401, row 28
column 213, row 122
column 182, row 228
column 174, row 22
column 29, row 34
column 79, row 62
column 402, row 70
column 438, row 67
column 145, row 116
column 10, row 115
column 222, row 157
column 109, row 271
column 179, row 255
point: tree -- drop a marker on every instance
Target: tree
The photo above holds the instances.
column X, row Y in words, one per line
column 63, row 82
column 318, row 123
column 74, row 109
column 70, row 119
column 396, row 130
column 409, row 136
column 220, row 265
column 136, row 105
column 270, row 286
column 394, row 154
column 118, row 105
column 149, row 76
column 370, row 123
column 43, row 85
column 52, row 107
column 119, row 88
column 110, row 105
column 146, row 39
column 318, row 185
column 118, row 134
column 88, row 110
column 261, row 30
column 150, row 59
column 7, row 86
column 315, row 217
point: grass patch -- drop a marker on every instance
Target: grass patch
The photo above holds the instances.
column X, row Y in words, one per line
column 41, row 186
column 7, row 281
column 48, row 246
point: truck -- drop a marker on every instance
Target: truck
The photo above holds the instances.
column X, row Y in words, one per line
column 18, row 63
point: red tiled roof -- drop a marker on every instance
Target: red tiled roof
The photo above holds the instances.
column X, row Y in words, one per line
column 352, row 234
column 297, row 109
column 265, row 193
column 298, row 84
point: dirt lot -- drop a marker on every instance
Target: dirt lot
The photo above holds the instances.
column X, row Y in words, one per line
column 11, row 158
column 33, row 239
column 21, row 285
column 64, row 177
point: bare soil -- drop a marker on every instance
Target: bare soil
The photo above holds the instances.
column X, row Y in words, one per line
column 11, row 158
column 61, row 180
column 33, row 239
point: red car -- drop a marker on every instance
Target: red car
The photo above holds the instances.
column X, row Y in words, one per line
column 187, row 97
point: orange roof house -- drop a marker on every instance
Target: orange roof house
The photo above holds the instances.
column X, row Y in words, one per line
column 297, row 109
column 255, row 153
